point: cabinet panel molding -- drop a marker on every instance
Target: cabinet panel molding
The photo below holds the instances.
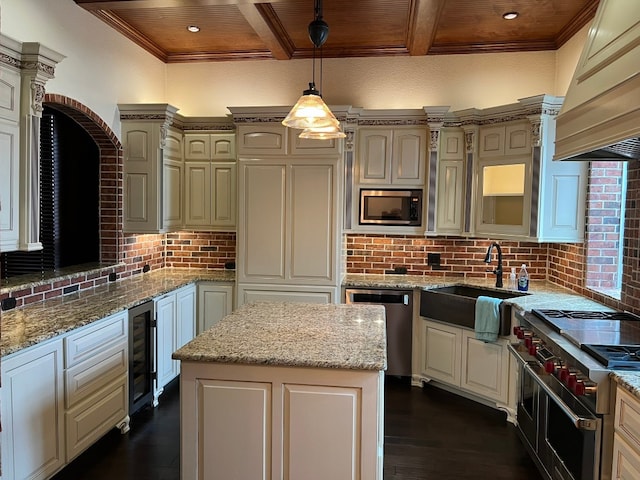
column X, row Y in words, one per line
column 235, row 429
column 320, row 423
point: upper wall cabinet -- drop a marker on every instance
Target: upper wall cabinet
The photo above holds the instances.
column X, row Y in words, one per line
column 210, row 181
column 392, row 156
column 153, row 169
column 450, row 182
column 24, row 71
column 521, row 193
column 9, row 158
column 214, row 146
column 261, row 140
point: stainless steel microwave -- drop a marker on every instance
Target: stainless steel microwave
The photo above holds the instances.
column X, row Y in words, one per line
column 391, row 207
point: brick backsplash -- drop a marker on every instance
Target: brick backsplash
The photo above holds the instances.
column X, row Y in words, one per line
column 373, row 254
column 200, row 249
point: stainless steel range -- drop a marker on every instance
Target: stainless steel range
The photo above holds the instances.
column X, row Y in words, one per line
column 565, row 411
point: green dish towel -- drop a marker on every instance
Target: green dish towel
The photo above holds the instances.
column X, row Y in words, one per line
column 487, row 323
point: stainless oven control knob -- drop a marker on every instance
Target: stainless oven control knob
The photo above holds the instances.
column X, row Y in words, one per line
column 572, row 381
column 533, row 349
column 522, row 333
column 528, row 341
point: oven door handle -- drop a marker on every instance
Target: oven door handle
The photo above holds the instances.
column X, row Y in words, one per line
column 581, row 423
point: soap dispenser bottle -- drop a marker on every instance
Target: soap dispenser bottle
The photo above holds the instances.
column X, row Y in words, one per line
column 523, row 279
column 513, row 279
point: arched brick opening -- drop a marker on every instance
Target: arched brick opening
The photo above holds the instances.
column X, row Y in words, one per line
column 111, row 182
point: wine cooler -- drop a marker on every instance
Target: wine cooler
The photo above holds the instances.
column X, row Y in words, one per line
column 142, row 326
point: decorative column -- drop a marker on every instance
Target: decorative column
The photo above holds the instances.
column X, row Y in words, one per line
column 37, row 66
column 471, row 146
column 435, row 120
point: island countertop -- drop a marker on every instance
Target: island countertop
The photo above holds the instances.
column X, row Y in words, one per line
column 296, row 335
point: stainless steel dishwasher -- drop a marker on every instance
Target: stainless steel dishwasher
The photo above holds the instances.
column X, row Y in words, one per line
column 398, row 306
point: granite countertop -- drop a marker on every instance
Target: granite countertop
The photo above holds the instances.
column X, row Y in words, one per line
column 295, row 334
column 35, row 323
column 630, row 381
column 541, row 294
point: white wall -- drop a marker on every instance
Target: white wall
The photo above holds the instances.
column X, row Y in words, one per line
column 102, row 68
column 567, row 58
column 459, row 81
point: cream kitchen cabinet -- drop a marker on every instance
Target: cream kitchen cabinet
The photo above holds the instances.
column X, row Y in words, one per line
column 210, row 181
column 521, row 193
column 392, row 156
column 248, row 293
column 9, row 158
column 450, row 182
column 62, row 395
column 289, row 224
column 626, row 441
column 96, row 382
column 215, row 301
column 210, row 195
column 262, row 140
column 33, row 441
column 153, row 169
column 453, row 356
column 257, row 421
column 175, row 320
column 25, row 69
column 209, row 146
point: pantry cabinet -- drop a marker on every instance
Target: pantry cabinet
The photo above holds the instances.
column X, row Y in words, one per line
column 153, row 169
column 288, row 231
column 392, row 156
column 453, row 356
column 210, row 181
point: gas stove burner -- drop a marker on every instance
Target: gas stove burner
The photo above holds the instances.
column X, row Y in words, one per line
column 584, row 315
column 626, row 357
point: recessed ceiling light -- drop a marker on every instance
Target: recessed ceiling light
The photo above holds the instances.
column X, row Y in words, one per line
column 193, row 28
column 510, row 15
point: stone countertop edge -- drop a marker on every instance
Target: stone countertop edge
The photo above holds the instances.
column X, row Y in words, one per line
column 306, row 335
column 630, row 381
column 35, row 323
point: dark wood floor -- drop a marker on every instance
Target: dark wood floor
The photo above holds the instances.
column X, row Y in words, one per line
column 429, row 434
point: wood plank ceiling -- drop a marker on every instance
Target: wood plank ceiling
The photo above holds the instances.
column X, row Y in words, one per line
column 252, row 29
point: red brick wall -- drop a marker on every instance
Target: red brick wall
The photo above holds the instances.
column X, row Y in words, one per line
column 604, row 201
column 200, row 249
column 374, row 254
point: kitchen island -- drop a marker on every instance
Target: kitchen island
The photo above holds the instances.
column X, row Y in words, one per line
column 285, row 390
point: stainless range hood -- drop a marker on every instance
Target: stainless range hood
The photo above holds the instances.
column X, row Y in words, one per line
column 600, row 117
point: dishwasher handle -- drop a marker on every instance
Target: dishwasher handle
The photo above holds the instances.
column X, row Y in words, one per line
column 385, row 297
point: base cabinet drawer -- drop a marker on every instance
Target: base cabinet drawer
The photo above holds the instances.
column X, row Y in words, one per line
column 86, row 377
column 626, row 461
column 85, row 343
column 92, row 418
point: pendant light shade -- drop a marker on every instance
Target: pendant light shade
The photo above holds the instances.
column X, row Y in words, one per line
column 322, row 133
column 310, row 112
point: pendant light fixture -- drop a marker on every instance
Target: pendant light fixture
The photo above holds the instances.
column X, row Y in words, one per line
column 310, row 113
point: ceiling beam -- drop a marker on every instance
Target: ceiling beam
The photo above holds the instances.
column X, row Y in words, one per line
column 265, row 22
column 423, row 21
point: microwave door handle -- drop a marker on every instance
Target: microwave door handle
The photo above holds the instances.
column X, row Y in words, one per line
column 581, row 423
